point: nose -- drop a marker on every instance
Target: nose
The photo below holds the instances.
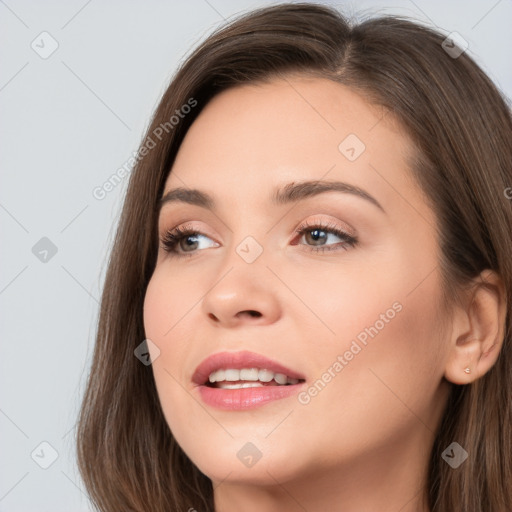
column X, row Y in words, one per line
column 245, row 294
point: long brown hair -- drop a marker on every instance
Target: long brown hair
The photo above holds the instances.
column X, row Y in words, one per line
column 462, row 129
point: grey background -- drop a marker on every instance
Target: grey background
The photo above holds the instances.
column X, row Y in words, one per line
column 67, row 123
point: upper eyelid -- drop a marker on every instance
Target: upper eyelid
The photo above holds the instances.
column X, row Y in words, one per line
column 309, row 218
column 326, row 224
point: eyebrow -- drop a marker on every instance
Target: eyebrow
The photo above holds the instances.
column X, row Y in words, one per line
column 290, row 193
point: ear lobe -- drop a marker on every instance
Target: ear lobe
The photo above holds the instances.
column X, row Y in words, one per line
column 478, row 330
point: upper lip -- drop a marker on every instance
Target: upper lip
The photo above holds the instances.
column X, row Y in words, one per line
column 239, row 360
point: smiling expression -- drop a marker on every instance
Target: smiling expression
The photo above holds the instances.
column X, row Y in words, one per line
column 296, row 273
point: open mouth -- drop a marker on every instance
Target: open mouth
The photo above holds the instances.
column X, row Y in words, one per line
column 231, row 378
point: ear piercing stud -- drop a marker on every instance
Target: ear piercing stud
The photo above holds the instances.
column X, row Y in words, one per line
column 467, row 370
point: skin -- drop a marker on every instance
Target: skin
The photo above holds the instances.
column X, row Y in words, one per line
column 363, row 442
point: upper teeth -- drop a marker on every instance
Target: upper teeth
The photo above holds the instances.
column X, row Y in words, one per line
column 250, row 374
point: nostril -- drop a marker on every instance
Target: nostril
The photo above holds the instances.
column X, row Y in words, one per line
column 249, row 312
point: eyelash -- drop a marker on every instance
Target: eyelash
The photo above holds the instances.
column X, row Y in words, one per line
column 172, row 238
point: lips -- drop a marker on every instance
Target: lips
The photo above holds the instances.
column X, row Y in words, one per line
column 243, row 380
column 220, row 365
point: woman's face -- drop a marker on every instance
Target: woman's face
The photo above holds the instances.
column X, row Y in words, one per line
column 354, row 316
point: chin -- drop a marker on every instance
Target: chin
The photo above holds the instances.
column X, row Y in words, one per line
column 243, row 464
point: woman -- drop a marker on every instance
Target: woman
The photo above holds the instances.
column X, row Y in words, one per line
column 314, row 255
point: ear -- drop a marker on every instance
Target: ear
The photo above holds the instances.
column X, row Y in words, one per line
column 478, row 330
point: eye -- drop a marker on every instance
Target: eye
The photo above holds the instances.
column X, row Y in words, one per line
column 172, row 241
column 183, row 241
column 318, row 234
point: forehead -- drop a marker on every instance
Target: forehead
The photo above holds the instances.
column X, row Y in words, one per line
column 251, row 139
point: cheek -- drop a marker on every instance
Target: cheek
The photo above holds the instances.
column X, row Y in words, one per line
column 168, row 303
column 379, row 351
column 157, row 305
column 386, row 361
column 168, row 307
column 170, row 314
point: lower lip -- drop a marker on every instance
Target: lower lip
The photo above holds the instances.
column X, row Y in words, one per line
column 245, row 398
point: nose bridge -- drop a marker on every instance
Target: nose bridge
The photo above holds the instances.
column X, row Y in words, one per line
column 249, row 236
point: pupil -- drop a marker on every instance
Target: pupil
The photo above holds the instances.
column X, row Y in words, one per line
column 187, row 240
column 316, row 235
